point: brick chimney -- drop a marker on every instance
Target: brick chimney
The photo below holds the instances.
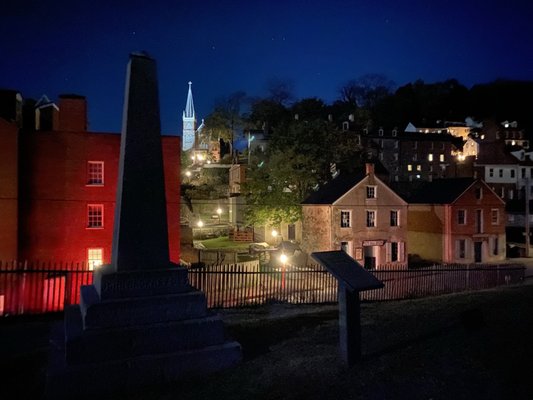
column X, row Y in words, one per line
column 369, row 168
column 72, row 113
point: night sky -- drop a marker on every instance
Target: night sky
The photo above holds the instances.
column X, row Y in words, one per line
column 77, row 46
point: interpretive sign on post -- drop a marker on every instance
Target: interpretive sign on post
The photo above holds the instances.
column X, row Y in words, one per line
column 352, row 279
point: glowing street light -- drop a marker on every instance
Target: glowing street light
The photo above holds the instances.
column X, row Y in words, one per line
column 200, row 223
column 188, row 174
column 219, row 212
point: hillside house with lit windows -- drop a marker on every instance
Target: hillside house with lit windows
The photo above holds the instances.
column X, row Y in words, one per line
column 361, row 215
column 458, row 220
column 417, row 156
column 58, row 186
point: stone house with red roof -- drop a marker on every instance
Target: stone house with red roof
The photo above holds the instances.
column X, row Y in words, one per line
column 359, row 214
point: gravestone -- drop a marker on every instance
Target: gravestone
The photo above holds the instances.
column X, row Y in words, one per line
column 140, row 323
column 352, row 278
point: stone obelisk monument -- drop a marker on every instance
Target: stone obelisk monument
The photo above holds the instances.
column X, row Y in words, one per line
column 140, row 323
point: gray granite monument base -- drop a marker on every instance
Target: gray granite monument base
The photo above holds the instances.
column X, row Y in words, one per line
column 136, row 328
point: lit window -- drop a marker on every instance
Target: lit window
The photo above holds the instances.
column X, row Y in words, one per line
column 345, row 219
column 95, row 216
column 495, row 216
column 461, row 217
column 419, row 167
column 394, row 218
column 409, row 167
column 95, row 258
column 370, row 192
column 95, row 173
column 430, row 157
column 441, row 158
column 370, row 219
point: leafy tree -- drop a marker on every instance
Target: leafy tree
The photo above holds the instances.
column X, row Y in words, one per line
column 267, row 114
column 299, row 158
column 280, row 91
column 366, row 91
column 227, row 117
column 309, row 109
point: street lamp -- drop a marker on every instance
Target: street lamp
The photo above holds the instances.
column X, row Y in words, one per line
column 283, row 259
column 219, row 212
column 275, row 234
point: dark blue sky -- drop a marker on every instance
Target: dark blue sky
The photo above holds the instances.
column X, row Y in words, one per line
column 82, row 47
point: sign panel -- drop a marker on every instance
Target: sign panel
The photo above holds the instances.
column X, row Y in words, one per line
column 347, row 271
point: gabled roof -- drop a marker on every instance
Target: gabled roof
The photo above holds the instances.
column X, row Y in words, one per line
column 334, row 189
column 441, row 191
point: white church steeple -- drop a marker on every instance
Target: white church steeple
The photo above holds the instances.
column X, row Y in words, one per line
column 189, row 122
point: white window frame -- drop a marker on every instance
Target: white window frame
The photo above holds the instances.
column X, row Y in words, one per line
column 400, row 246
column 371, row 218
column 95, row 173
column 95, row 257
column 371, row 192
column 95, row 216
column 348, row 214
column 396, row 218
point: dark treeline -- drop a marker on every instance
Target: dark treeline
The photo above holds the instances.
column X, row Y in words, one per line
column 373, row 102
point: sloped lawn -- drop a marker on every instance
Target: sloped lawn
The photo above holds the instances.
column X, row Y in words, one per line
column 464, row 346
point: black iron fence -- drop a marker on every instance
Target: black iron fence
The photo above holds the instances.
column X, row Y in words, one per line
column 32, row 288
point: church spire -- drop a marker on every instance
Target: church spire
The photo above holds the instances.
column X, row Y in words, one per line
column 189, row 107
column 189, row 122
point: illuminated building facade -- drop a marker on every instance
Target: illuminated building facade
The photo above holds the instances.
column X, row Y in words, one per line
column 58, row 188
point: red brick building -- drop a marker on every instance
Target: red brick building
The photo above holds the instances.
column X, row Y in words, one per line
column 457, row 220
column 57, row 188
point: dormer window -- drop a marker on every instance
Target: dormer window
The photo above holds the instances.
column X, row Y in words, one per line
column 345, row 126
column 380, row 132
column 394, row 132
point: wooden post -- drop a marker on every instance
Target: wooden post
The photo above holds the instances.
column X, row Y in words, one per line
column 349, row 324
